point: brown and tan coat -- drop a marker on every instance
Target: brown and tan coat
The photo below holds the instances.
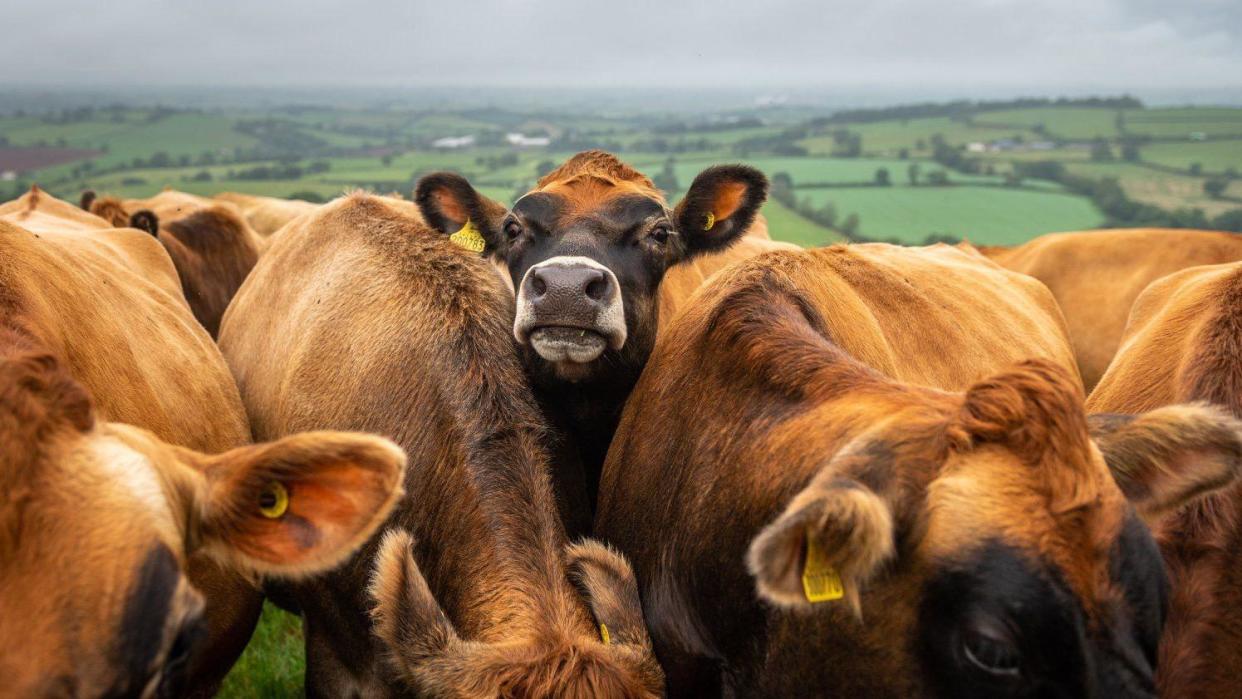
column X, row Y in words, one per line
column 1184, row 343
column 124, row 559
column 859, row 407
column 1096, row 276
column 360, row 317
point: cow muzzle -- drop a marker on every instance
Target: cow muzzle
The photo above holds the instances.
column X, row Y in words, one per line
column 569, row 309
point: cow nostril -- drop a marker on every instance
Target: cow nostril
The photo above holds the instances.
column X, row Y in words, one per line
column 597, row 288
column 538, row 285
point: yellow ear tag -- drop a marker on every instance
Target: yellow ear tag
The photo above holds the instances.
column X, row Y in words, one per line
column 603, row 633
column 274, row 500
column 820, row 580
column 711, row 221
column 469, row 238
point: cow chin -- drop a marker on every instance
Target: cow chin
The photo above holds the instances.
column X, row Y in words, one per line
column 558, row 344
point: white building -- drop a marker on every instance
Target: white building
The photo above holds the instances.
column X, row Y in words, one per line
column 524, row 141
column 453, row 142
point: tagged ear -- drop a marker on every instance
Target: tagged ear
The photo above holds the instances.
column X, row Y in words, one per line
column 300, row 504
column 1170, row 456
column 607, row 582
column 145, row 220
column 719, row 206
column 448, row 201
column 841, row 531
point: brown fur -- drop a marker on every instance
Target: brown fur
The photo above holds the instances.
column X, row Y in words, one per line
column 211, row 246
column 851, row 394
column 1183, row 344
column 483, row 601
column 98, row 308
column 1096, row 276
column 266, row 215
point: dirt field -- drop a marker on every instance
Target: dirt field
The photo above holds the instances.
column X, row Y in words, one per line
column 25, row 159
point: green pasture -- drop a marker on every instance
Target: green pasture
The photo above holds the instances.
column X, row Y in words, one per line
column 1062, row 122
column 989, row 215
column 1212, row 156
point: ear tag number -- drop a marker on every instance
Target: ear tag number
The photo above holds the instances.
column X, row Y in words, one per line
column 603, row 634
column 711, row 221
column 469, row 238
column 274, row 500
column 820, row 580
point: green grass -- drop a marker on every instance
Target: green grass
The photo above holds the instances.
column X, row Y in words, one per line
column 1065, row 122
column 889, row 137
column 1163, row 189
column 1214, row 156
column 1180, row 122
column 274, row 663
column 989, row 215
column 785, row 224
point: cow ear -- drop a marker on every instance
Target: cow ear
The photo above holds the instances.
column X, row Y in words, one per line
column 449, row 204
column 300, row 504
column 1168, row 457
column 145, row 220
column 88, row 198
column 719, row 206
column 607, row 582
column 830, row 539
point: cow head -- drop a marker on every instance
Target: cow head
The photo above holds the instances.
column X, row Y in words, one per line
column 985, row 547
column 586, row 250
column 98, row 521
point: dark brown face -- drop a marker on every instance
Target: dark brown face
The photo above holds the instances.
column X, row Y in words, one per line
column 587, row 251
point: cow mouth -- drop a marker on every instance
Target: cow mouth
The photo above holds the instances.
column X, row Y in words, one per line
column 558, row 343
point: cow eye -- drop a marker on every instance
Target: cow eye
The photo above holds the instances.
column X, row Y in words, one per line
column 512, row 230
column 991, row 653
column 659, row 234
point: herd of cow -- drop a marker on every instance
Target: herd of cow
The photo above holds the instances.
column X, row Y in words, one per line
column 623, row 449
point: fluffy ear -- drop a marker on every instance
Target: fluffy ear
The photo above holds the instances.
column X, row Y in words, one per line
column 719, row 206
column 145, row 220
column 839, row 528
column 1170, row 456
column 300, row 504
column 607, row 582
column 88, row 198
column 448, row 202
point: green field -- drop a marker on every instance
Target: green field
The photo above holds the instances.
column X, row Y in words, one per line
column 1063, row 122
column 987, row 215
column 1213, row 156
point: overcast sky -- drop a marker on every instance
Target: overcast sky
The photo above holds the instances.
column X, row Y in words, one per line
column 966, row 44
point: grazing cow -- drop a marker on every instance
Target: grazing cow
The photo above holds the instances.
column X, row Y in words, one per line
column 1096, row 276
column 210, row 244
column 360, row 317
column 828, row 487
column 1184, row 343
column 586, row 251
column 99, row 520
column 266, row 215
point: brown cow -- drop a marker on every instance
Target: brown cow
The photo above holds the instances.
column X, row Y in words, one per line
column 266, row 215
column 1184, row 343
column 587, row 250
column 1096, row 276
column 828, row 488
column 360, row 317
column 99, row 520
column 211, row 245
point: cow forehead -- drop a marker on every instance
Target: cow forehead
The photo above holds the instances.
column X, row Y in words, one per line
column 989, row 493
column 590, row 192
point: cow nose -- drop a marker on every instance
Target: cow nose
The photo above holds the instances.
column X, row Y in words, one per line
column 568, row 285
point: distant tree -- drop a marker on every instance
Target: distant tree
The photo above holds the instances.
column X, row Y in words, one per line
column 543, row 167
column 1195, row 169
column 920, row 145
column 1013, row 179
column 202, row 176
column 1215, row 187
column 520, row 191
column 881, row 177
column 782, row 179
column 1100, row 152
column 850, row 225
column 783, row 188
column 1130, row 152
column 912, row 173
column 308, row 195
column 938, row 178
column 903, row 154
column 386, row 160
column 666, row 180
column 1231, row 220
column 1231, row 172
